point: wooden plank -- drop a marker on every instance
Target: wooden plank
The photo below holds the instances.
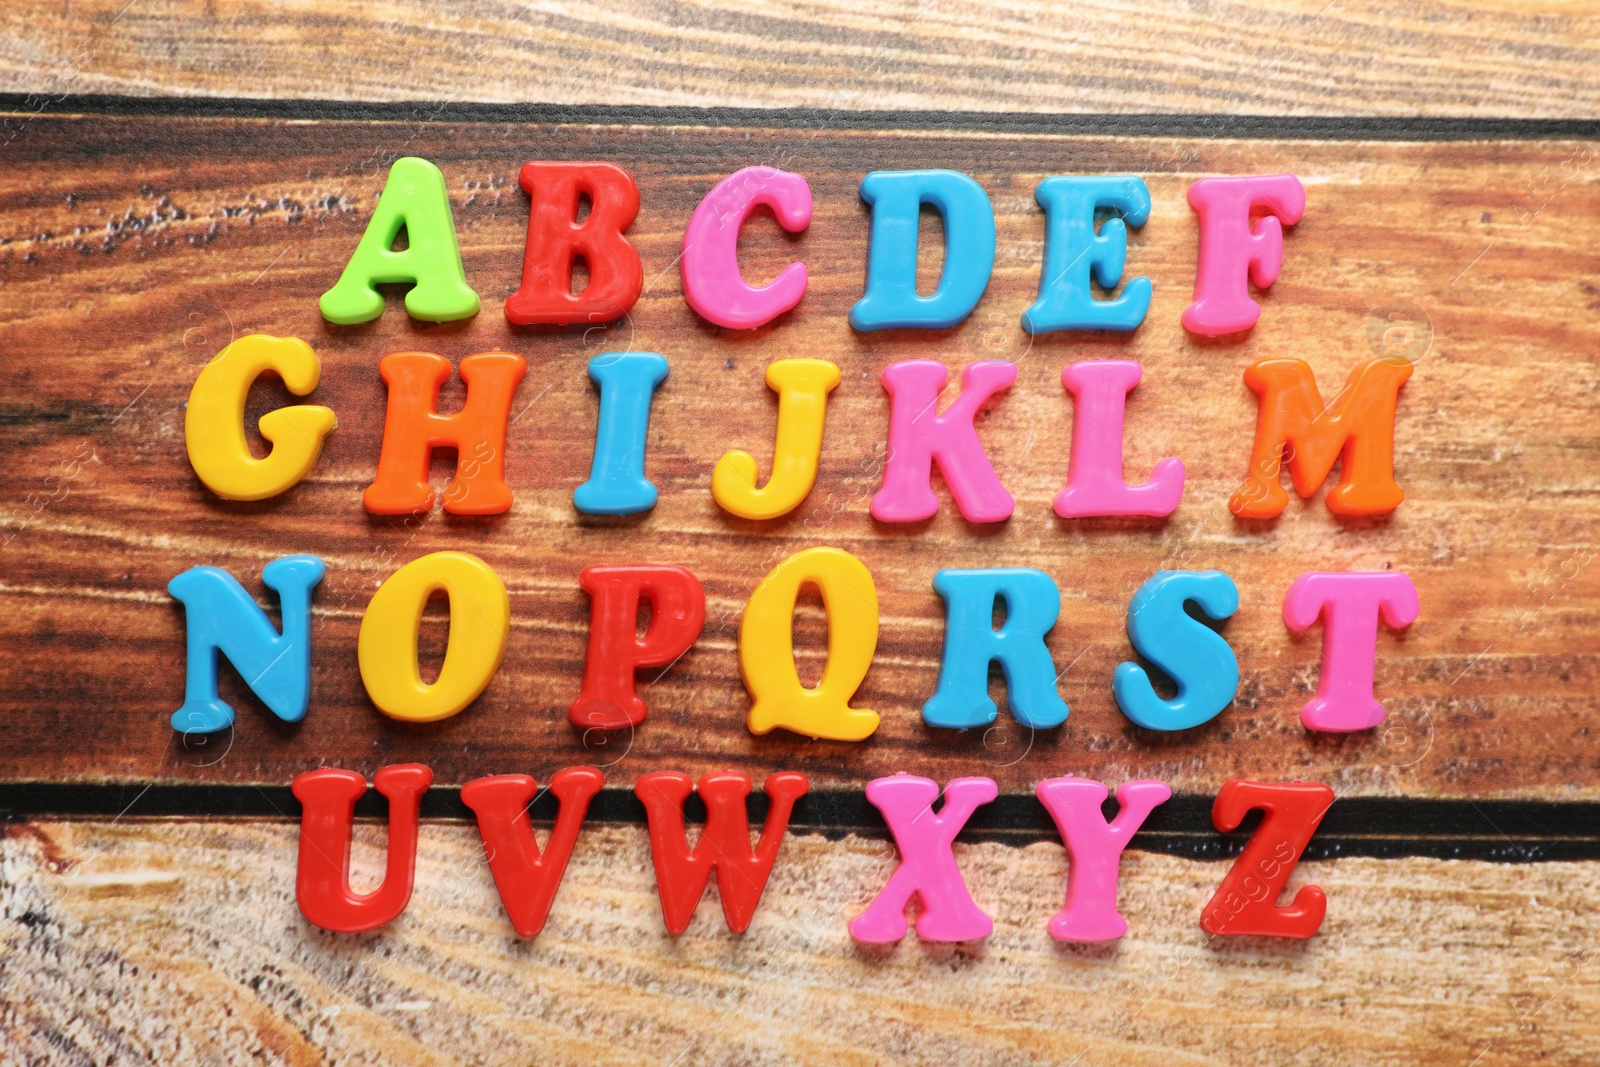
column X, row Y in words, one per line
column 180, row 942
column 139, row 246
column 1301, row 57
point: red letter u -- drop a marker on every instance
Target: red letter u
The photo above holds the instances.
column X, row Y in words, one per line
column 328, row 800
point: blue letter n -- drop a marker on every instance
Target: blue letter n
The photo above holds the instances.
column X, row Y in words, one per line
column 222, row 617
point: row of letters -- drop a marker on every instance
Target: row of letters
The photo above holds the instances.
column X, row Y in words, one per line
column 222, row 618
column 1241, row 222
column 1295, row 428
column 528, row 877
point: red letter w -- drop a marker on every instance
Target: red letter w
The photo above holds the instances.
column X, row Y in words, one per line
column 724, row 845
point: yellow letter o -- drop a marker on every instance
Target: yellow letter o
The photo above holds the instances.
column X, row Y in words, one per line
column 480, row 616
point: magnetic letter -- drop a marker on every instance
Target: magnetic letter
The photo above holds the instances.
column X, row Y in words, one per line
column 528, row 879
column 709, row 265
column 328, row 805
column 1095, row 848
column 480, row 614
column 1231, row 249
column 556, row 240
column 627, row 382
column 927, row 867
column 1349, row 604
column 971, row 643
column 724, row 844
column 802, row 386
column 1193, row 655
column 1072, row 250
column 918, row 436
column 766, row 647
column 1246, row 901
column 608, row 700
column 1100, row 389
column 213, row 425
column 414, row 199
column 1357, row 427
column 897, row 197
column 221, row 617
column 413, row 428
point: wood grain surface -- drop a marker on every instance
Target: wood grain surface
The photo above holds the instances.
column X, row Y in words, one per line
column 180, row 943
column 1499, row 58
column 137, row 248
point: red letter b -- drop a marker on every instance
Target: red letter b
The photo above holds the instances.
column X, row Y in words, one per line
column 556, row 240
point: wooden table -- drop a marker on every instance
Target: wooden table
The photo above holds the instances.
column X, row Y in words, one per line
column 178, row 175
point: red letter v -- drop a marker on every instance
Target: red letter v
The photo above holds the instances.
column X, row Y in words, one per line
column 527, row 879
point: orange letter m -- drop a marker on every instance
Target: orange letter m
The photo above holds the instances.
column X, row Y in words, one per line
column 1295, row 425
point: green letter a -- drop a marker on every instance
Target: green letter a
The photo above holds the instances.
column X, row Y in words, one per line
column 413, row 197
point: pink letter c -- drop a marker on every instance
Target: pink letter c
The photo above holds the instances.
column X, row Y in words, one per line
column 709, row 266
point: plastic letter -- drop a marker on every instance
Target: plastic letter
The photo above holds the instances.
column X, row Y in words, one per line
column 527, row 878
column 413, row 428
column 766, row 647
column 1196, row 658
column 724, row 845
column 556, row 240
column 414, row 199
column 971, row 643
column 1349, row 605
column 802, row 386
column 919, row 436
column 608, row 699
column 480, row 615
column 1231, row 249
column 627, row 382
column 1246, row 901
column 927, row 867
column 1095, row 850
column 322, row 883
column 1100, row 391
column 709, row 265
column 1072, row 250
column 1358, row 426
column 221, row 617
column 213, row 424
column 897, row 197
